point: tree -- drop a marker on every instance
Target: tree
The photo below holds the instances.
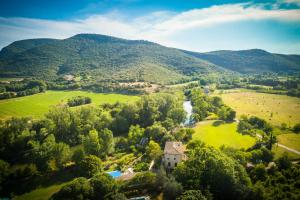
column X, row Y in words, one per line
column 92, row 144
column 284, row 162
column 226, row 113
column 192, row 195
column 142, row 181
column 66, row 125
column 79, row 100
column 78, row 155
column 14, row 136
column 297, row 128
column 210, row 169
column 153, row 150
column 135, row 134
column 103, row 185
column 172, row 189
column 148, row 111
column 267, row 155
column 155, row 132
column 61, row 153
column 258, row 173
column 116, row 196
column 244, row 127
column 168, row 124
column 217, row 101
column 78, row 189
column 4, row 172
column 90, row 166
column 107, row 141
column 177, row 115
column 49, row 155
column 184, row 134
column 261, row 155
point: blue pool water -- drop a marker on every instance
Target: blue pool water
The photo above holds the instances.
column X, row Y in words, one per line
column 115, row 174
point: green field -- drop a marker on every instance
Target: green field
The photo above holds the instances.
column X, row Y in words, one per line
column 37, row 105
column 276, row 109
column 278, row 152
column 291, row 140
column 224, row 134
column 40, row 193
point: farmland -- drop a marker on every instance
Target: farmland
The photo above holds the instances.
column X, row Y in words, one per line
column 276, row 109
column 215, row 134
column 37, row 105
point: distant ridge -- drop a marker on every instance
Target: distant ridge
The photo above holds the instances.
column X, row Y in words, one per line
column 251, row 61
column 110, row 58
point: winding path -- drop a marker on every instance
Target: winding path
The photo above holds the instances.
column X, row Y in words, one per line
column 282, row 146
column 289, row 149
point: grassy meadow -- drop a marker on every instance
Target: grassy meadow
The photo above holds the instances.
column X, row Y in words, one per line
column 291, row 140
column 276, row 109
column 217, row 134
column 37, row 105
column 42, row 193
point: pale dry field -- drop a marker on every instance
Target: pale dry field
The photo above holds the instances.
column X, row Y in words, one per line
column 276, row 109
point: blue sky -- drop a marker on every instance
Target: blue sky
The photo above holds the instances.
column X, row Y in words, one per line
column 196, row 25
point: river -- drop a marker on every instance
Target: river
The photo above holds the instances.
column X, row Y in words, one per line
column 187, row 106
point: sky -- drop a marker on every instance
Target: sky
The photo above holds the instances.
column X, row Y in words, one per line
column 196, row 25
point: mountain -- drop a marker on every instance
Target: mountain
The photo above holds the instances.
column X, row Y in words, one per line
column 102, row 57
column 251, row 61
column 23, row 45
column 109, row 58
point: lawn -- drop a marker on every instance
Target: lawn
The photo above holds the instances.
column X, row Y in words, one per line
column 276, row 109
column 40, row 193
column 215, row 134
column 37, row 105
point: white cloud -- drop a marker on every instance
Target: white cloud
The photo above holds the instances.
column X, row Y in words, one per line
column 222, row 14
column 157, row 26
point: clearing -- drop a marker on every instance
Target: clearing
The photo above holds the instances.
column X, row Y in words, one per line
column 37, row 105
column 216, row 133
column 276, row 109
column 290, row 140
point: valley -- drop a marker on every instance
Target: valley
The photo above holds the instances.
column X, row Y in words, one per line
column 164, row 121
column 39, row 104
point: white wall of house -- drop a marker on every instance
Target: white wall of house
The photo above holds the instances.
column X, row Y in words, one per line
column 171, row 160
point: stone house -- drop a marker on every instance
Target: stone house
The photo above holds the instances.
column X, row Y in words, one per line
column 173, row 154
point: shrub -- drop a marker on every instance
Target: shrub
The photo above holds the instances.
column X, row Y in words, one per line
column 79, row 100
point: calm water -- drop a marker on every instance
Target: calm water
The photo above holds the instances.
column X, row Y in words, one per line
column 187, row 106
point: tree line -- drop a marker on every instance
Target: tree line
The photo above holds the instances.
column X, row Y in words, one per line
column 21, row 88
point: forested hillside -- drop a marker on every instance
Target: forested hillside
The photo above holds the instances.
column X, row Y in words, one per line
column 109, row 58
column 251, row 61
column 102, row 56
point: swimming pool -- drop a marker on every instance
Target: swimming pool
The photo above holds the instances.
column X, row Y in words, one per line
column 115, row 174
